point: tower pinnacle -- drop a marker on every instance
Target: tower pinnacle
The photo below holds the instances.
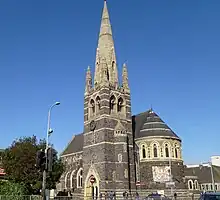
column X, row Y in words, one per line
column 125, row 79
column 106, row 50
column 88, row 81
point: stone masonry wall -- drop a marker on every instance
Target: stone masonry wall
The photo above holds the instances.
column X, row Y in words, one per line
column 146, row 175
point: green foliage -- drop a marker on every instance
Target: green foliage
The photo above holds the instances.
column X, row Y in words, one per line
column 19, row 163
column 11, row 191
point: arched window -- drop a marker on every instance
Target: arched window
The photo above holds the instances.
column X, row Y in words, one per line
column 176, row 151
column 211, row 187
column 167, row 151
column 79, row 178
column 119, row 158
column 112, row 104
column 216, row 187
column 143, row 151
column 113, row 64
column 114, row 175
column 126, row 173
column 66, row 180
column 98, row 103
column 190, row 184
column 72, row 178
column 155, row 151
column 120, row 105
column 92, row 105
column 202, row 187
column 206, row 187
column 196, row 185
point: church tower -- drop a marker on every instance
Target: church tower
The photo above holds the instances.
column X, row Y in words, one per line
column 108, row 156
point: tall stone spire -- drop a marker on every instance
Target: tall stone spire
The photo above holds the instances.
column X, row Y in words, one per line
column 106, row 50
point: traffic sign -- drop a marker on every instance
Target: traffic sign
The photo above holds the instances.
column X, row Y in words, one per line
column 92, row 179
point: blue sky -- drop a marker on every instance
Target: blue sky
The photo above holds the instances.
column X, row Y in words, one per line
column 171, row 48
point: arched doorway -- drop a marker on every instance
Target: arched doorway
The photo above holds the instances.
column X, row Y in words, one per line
column 92, row 188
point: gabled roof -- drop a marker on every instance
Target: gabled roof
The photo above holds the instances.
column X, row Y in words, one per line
column 150, row 124
column 204, row 173
column 75, row 145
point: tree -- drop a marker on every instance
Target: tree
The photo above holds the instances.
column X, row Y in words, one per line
column 8, row 188
column 19, row 162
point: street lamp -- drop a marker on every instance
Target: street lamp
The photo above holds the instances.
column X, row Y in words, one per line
column 212, row 175
column 49, row 131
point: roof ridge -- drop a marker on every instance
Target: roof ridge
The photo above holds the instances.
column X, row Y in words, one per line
column 73, row 137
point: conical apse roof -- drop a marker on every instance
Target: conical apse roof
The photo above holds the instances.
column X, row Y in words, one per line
column 150, row 124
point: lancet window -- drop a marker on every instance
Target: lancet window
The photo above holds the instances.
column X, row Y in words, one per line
column 98, row 103
column 155, row 151
column 167, row 151
column 79, row 178
column 143, row 151
column 92, row 107
column 120, row 104
column 112, row 104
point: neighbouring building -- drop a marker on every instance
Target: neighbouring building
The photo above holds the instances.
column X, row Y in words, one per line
column 2, row 173
column 117, row 151
column 215, row 160
column 204, row 177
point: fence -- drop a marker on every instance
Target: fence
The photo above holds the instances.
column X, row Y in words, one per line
column 195, row 197
column 121, row 198
column 32, row 197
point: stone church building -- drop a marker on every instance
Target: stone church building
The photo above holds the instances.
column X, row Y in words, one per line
column 117, row 151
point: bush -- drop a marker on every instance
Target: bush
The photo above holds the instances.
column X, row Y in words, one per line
column 8, row 189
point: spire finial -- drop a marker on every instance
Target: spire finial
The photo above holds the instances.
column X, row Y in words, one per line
column 151, row 109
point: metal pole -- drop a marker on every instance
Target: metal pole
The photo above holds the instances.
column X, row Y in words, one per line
column 45, row 172
column 47, row 144
column 212, row 175
column 213, row 181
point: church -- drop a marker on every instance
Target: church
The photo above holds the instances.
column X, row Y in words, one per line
column 118, row 151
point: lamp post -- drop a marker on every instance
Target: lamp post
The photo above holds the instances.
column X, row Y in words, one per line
column 49, row 131
column 212, row 175
column 213, row 180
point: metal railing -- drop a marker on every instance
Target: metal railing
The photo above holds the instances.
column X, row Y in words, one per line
column 2, row 197
column 122, row 198
column 20, row 197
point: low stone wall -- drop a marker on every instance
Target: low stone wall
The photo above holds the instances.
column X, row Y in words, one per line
column 181, row 195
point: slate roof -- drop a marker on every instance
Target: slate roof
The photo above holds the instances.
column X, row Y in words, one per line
column 144, row 124
column 204, row 173
column 150, row 124
column 75, row 145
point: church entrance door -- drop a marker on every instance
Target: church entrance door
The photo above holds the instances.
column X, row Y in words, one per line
column 92, row 188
